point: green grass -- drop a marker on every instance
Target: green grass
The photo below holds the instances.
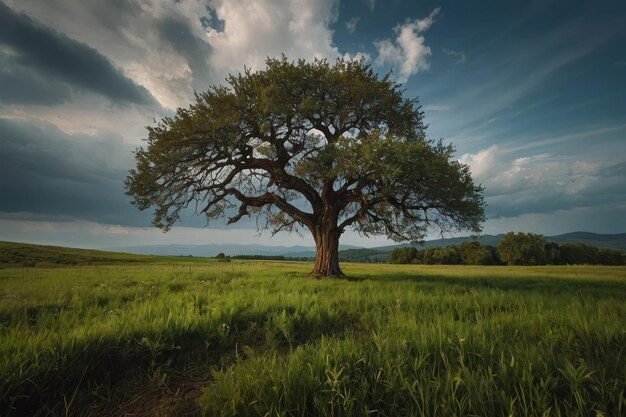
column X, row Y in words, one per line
column 24, row 254
column 255, row 338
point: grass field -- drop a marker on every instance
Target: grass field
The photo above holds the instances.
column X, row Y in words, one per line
column 165, row 336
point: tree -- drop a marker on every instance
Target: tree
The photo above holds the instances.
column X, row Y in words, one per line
column 449, row 255
column 611, row 257
column 522, row 249
column 553, row 253
column 306, row 144
column 402, row 255
column 579, row 253
column 473, row 253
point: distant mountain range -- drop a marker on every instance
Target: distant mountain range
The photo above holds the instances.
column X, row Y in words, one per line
column 355, row 253
column 228, row 249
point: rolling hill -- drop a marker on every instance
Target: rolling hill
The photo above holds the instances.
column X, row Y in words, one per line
column 25, row 254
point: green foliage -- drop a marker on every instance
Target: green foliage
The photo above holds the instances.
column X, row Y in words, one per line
column 363, row 255
column 580, row 253
column 522, row 249
column 468, row 253
column 473, row 253
column 449, row 255
column 516, row 249
column 575, row 253
column 402, row 256
column 553, row 253
column 611, row 257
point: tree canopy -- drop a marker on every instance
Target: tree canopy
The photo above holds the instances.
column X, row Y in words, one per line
column 307, row 144
column 522, row 249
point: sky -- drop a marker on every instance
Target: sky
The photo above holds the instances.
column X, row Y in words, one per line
column 531, row 94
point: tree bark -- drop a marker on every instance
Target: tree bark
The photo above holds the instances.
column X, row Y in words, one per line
column 326, row 238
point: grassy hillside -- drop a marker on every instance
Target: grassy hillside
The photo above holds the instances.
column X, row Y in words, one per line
column 24, row 254
column 250, row 338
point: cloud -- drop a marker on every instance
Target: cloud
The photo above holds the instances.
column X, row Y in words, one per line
column 408, row 53
column 172, row 48
column 21, row 85
column 89, row 234
column 46, row 172
column 457, row 56
column 351, row 24
column 372, row 4
column 600, row 219
column 37, row 53
column 483, row 162
column 49, row 174
column 256, row 30
column 543, row 183
column 617, row 170
column 91, row 115
column 136, row 37
column 179, row 35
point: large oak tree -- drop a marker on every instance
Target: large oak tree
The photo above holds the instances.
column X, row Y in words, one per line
column 307, row 144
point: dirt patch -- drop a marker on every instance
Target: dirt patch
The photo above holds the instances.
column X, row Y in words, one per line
column 152, row 398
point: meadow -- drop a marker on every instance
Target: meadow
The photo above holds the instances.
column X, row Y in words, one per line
column 178, row 336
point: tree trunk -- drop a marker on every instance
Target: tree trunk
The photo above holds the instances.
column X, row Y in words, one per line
column 326, row 251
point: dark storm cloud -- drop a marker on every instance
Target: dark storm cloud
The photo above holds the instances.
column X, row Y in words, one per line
column 37, row 53
column 24, row 86
column 47, row 172
column 196, row 52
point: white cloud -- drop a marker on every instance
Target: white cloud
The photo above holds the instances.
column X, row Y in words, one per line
column 351, row 24
column 408, row 53
column 501, row 174
column 458, row 56
column 483, row 162
column 256, row 30
column 542, row 183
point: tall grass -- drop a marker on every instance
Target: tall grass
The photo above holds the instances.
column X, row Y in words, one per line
column 386, row 340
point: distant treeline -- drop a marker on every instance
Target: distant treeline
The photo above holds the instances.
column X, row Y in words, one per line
column 263, row 257
column 513, row 249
